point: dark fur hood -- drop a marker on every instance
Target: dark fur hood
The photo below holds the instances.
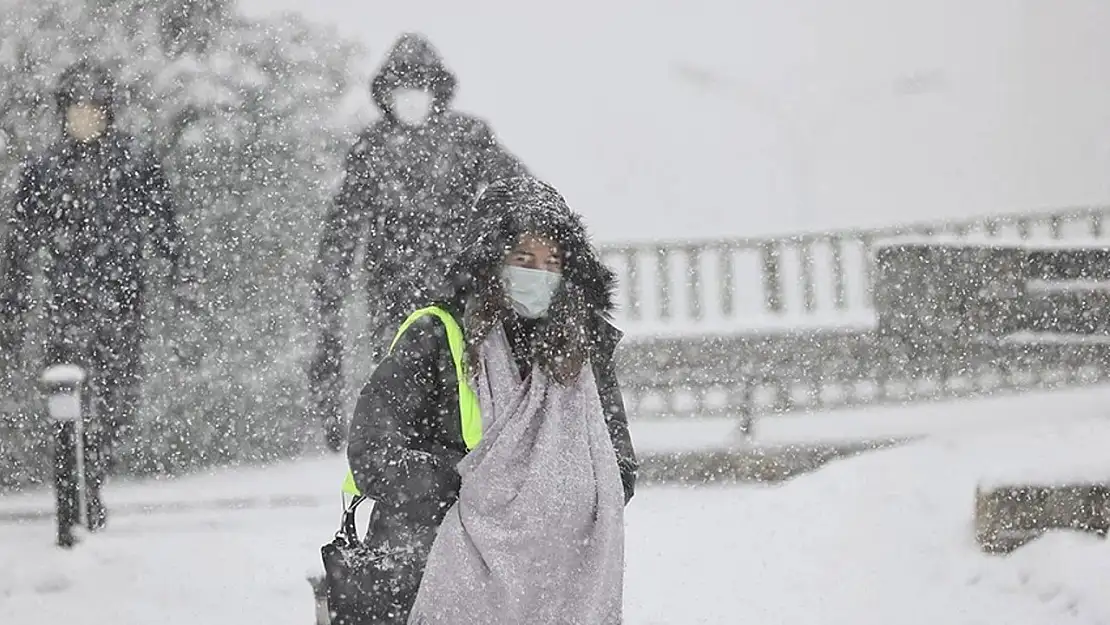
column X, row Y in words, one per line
column 513, row 206
column 584, row 302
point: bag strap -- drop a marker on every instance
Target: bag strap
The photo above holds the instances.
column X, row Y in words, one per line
column 347, row 528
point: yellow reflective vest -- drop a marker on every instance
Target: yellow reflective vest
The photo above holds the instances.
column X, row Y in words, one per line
column 470, row 415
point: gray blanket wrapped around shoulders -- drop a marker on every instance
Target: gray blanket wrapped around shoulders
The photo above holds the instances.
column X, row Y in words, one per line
column 537, row 533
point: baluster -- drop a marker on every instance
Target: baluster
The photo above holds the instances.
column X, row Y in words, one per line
column 1024, row 228
column 632, row 284
column 742, row 403
column 662, row 268
column 726, row 261
column 1055, row 226
column 693, row 267
column 1095, row 225
column 668, row 403
column 867, row 242
column 697, row 401
column 840, row 287
column 772, row 284
column 809, row 290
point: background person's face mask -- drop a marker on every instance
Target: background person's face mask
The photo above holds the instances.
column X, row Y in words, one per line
column 530, row 290
column 412, row 106
column 85, row 122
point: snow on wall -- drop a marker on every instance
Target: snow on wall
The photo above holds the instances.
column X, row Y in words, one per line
column 721, row 287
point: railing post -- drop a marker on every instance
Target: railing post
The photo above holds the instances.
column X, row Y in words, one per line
column 772, row 282
column 746, row 409
column 725, row 260
column 632, row 282
column 693, row 265
column 868, row 263
column 805, row 262
column 662, row 255
column 1024, row 228
column 840, row 291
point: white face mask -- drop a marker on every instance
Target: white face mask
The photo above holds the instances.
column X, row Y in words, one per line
column 530, row 290
column 85, row 122
column 412, row 106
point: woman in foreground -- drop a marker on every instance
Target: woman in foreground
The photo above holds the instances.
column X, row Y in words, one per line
column 526, row 466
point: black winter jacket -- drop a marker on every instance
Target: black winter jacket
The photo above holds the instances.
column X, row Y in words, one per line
column 407, row 193
column 94, row 209
column 406, row 201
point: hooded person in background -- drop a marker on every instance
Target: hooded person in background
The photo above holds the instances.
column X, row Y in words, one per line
column 411, row 179
column 93, row 202
column 523, row 494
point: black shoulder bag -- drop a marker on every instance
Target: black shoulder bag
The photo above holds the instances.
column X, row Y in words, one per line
column 347, row 571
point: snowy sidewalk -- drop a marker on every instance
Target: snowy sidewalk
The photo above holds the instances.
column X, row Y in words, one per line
column 314, row 482
column 879, row 539
column 307, row 483
column 311, row 482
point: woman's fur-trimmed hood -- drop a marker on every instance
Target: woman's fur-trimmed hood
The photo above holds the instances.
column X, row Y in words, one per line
column 514, row 206
column 507, row 209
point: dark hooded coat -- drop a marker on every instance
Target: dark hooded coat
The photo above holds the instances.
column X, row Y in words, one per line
column 405, row 198
column 405, row 438
column 95, row 209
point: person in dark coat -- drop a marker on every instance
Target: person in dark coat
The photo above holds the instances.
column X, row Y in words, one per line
column 410, row 182
column 93, row 202
column 405, row 436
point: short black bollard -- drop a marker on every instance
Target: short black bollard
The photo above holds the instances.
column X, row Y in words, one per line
column 63, row 385
column 320, row 599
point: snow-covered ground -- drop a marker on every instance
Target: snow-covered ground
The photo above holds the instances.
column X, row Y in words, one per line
column 883, row 538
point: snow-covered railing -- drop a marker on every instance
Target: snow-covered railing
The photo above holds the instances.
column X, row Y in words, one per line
column 811, row 280
column 751, row 327
column 749, row 376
